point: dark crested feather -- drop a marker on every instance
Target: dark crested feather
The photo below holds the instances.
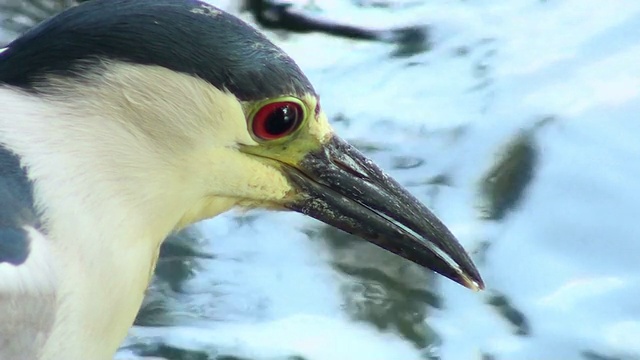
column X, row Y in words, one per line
column 16, row 209
column 187, row 36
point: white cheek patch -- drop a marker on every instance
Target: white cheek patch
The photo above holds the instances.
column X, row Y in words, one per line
column 3, row 50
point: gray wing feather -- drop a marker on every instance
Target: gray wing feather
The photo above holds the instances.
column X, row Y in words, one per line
column 16, row 209
column 27, row 287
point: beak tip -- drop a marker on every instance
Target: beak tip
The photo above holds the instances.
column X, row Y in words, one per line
column 476, row 284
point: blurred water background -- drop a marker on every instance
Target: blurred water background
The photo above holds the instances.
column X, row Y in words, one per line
column 516, row 121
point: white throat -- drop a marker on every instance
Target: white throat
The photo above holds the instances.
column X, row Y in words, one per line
column 108, row 200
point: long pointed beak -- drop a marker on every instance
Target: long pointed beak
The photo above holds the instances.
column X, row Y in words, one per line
column 341, row 187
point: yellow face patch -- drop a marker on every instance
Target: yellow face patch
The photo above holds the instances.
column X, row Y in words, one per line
column 310, row 134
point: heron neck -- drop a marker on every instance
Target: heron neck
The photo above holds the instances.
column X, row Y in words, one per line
column 107, row 201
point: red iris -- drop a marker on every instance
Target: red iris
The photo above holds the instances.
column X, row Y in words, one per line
column 277, row 119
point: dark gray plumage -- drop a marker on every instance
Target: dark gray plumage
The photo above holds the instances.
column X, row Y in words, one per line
column 16, row 209
column 187, row 36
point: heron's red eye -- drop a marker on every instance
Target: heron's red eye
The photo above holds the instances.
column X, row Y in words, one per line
column 277, row 119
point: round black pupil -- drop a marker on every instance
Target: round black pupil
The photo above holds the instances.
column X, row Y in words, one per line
column 281, row 120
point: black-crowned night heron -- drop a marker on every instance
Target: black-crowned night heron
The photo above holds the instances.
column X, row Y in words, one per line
column 122, row 121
